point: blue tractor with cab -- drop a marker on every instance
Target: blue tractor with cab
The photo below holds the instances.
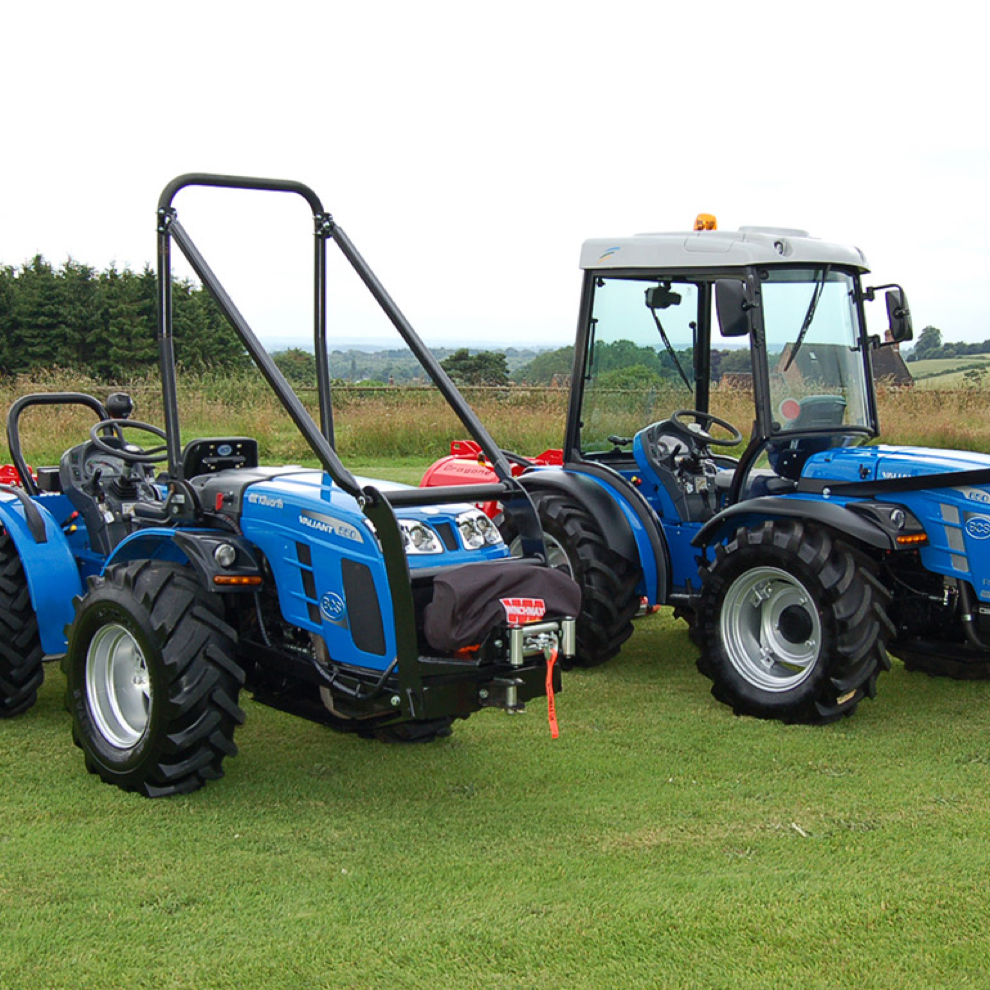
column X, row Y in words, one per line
column 720, row 457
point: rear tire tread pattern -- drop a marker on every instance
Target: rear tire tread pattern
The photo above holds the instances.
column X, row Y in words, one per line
column 608, row 581
column 21, row 655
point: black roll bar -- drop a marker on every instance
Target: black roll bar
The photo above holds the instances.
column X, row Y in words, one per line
column 321, row 442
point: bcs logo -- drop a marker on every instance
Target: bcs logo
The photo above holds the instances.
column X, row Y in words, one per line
column 332, row 606
column 978, row 527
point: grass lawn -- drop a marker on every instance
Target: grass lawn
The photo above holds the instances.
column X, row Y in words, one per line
column 659, row 842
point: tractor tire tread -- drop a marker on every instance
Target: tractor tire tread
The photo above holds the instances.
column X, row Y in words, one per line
column 852, row 607
column 21, row 655
column 201, row 679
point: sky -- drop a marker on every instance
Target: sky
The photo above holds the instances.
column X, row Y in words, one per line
column 469, row 149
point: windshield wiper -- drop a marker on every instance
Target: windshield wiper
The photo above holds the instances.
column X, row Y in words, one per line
column 670, row 349
column 809, row 316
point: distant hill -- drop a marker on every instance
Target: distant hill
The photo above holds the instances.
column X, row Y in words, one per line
column 397, row 364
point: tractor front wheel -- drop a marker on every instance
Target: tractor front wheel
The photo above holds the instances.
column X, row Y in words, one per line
column 152, row 681
column 576, row 545
column 792, row 623
column 21, row 655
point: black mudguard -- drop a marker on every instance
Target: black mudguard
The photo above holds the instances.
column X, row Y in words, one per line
column 840, row 518
column 575, row 481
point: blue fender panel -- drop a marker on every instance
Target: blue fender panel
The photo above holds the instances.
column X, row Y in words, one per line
column 52, row 575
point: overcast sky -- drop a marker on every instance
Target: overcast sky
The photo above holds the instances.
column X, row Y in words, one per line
column 469, row 149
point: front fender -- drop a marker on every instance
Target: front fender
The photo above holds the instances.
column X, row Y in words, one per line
column 834, row 515
column 52, row 574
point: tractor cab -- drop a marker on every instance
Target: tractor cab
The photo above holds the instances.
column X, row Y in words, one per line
column 715, row 364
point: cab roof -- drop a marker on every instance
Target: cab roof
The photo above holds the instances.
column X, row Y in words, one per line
column 718, row 248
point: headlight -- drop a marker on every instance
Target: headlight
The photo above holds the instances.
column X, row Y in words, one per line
column 417, row 538
column 477, row 530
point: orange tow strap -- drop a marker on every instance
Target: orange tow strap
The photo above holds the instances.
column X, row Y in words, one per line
column 551, row 706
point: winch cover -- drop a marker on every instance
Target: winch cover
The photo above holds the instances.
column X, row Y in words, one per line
column 468, row 601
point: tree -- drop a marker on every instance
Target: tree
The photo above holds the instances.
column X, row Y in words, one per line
column 37, row 327
column 928, row 346
column 128, row 343
column 7, row 288
column 733, row 361
column 549, row 365
column 80, row 307
column 483, row 368
column 204, row 340
column 634, row 378
column 298, row 366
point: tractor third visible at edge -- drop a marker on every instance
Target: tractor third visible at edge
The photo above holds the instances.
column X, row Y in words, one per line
column 380, row 609
column 800, row 564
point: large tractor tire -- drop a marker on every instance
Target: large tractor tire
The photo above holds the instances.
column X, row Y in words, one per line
column 608, row 581
column 152, row 680
column 793, row 624
column 21, row 656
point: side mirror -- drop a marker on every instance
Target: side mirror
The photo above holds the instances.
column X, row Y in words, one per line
column 733, row 303
column 899, row 315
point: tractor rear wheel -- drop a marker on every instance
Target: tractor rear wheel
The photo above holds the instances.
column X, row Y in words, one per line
column 21, row 672
column 152, row 681
column 793, row 624
column 576, row 545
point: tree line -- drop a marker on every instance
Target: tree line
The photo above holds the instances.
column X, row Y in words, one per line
column 929, row 346
column 104, row 323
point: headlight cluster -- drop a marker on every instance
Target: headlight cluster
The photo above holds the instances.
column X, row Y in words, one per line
column 417, row 538
column 477, row 530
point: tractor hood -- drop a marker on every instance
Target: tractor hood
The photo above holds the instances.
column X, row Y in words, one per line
column 296, row 501
column 882, row 463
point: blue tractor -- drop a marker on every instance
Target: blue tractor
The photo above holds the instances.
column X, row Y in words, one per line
column 801, row 562
column 381, row 609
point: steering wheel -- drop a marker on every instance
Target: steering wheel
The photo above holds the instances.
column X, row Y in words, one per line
column 698, row 431
column 133, row 455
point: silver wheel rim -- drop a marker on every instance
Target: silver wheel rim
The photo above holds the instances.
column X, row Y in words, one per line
column 771, row 629
column 118, row 687
column 556, row 555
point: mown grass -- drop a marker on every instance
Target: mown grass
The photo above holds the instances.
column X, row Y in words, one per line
column 659, row 842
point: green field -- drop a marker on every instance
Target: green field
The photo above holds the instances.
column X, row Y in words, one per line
column 946, row 373
column 659, row 842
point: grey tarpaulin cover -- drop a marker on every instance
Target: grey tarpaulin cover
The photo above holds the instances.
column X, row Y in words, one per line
column 469, row 600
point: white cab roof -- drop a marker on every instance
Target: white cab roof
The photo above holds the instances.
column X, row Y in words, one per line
column 718, row 248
